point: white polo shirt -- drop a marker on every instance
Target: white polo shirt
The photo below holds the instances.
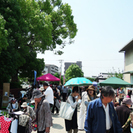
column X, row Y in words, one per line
column 49, row 96
column 108, row 119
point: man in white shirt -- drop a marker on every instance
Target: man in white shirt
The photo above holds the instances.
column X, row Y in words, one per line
column 49, row 96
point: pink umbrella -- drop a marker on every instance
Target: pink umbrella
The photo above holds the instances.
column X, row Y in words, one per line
column 48, row 77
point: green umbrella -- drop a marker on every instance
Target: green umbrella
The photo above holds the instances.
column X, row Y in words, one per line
column 115, row 82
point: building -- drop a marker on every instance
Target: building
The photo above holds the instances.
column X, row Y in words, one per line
column 128, row 61
column 52, row 69
column 67, row 64
column 102, row 76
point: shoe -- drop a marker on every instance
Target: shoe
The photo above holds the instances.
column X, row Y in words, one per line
column 81, row 129
column 57, row 113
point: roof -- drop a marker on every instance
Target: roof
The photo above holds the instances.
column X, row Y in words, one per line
column 115, row 82
column 128, row 72
column 127, row 47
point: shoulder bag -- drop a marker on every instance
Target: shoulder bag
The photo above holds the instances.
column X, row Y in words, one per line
column 66, row 111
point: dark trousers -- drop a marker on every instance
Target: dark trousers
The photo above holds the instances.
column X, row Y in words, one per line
column 120, row 100
column 110, row 130
column 64, row 96
column 51, row 106
column 21, row 129
column 41, row 131
column 57, row 110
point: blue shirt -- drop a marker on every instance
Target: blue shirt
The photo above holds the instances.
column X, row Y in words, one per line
column 96, row 120
column 64, row 89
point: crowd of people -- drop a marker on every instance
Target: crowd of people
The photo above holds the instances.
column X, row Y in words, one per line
column 101, row 110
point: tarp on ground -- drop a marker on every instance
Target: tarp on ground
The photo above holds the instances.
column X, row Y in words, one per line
column 47, row 77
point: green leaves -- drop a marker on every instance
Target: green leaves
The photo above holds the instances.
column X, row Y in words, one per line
column 28, row 27
column 73, row 71
column 3, row 34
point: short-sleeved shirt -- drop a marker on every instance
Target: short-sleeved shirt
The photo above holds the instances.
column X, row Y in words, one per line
column 49, row 96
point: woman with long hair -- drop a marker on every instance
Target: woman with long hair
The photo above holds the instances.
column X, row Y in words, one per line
column 88, row 95
column 73, row 100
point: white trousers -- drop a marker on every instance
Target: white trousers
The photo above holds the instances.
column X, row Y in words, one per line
column 81, row 118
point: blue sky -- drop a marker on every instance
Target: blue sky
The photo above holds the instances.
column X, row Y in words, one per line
column 104, row 27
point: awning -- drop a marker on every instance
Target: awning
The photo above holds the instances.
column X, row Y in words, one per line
column 128, row 72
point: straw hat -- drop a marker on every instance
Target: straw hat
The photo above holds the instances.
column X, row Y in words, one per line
column 24, row 104
column 91, row 87
column 41, row 88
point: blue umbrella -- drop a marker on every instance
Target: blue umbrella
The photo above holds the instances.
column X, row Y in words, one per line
column 79, row 81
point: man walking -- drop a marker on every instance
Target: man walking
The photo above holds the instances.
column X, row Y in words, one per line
column 101, row 116
column 64, row 93
column 43, row 112
column 49, row 96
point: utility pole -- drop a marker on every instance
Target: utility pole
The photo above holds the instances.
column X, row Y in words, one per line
column 60, row 61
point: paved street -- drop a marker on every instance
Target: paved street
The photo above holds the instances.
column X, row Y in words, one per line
column 58, row 125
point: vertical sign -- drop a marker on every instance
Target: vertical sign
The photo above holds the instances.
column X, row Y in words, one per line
column 63, row 79
column 60, row 78
column 35, row 73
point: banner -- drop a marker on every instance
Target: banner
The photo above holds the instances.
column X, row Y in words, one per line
column 35, row 73
column 63, row 79
column 60, row 79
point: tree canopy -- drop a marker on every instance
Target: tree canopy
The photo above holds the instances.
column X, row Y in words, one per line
column 28, row 27
column 3, row 34
column 73, row 71
column 115, row 73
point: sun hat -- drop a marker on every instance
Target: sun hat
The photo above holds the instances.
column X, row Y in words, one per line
column 91, row 87
column 36, row 94
column 24, row 104
column 32, row 101
column 41, row 88
column 127, row 101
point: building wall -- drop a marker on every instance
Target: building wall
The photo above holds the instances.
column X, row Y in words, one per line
column 52, row 69
column 128, row 64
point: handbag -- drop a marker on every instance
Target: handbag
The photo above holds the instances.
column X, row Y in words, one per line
column 57, row 104
column 66, row 111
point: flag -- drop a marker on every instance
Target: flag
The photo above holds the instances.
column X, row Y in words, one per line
column 63, row 79
column 35, row 73
column 60, row 79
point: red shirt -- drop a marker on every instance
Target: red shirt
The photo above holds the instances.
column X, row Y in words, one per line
column 5, row 123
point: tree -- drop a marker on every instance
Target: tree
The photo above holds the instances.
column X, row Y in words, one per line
column 11, row 58
column 73, row 71
column 63, row 26
column 91, row 79
column 3, row 34
column 115, row 73
column 33, row 26
column 32, row 63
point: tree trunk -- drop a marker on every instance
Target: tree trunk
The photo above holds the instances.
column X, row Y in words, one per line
column 15, row 78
